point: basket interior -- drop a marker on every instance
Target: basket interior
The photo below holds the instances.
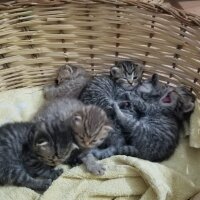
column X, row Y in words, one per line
column 35, row 40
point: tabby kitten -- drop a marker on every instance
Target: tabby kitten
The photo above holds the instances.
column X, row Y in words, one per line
column 153, row 128
column 89, row 126
column 70, row 81
column 32, row 150
column 103, row 91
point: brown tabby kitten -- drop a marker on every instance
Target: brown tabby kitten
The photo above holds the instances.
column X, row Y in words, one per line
column 90, row 127
column 88, row 124
column 70, row 81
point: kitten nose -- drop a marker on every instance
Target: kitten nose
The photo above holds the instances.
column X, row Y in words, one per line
column 130, row 81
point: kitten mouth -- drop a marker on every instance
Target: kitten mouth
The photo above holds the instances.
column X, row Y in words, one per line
column 167, row 99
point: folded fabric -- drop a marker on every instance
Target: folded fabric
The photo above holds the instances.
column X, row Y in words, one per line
column 126, row 178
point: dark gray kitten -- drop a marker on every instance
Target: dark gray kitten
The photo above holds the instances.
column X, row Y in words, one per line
column 103, row 91
column 32, row 150
column 152, row 128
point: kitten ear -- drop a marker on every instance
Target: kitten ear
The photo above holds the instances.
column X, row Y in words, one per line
column 107, row 128
column 154, row 79
column 114, row 71
column 77, row 119
column 74, row 146
column 189, row 107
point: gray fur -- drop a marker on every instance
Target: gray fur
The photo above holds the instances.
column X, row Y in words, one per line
column 70, row 81
column 151, row 126
column 31, row 150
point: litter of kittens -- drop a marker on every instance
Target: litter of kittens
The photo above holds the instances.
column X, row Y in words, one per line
column 135, row 127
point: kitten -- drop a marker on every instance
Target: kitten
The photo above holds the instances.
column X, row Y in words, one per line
column 153, row 128
column 89, row 126
column 103, row 91
column 70, row 81
column 32, row 150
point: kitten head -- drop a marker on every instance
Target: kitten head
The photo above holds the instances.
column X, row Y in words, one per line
column 90, row 126
column 52, row 144
column 127, row 73
column 151, row 89
column 68, row 72
column 180, row 100
column 188, row 99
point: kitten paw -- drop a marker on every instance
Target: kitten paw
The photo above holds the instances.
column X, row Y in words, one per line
column 97, row 169
column 56, row 174
column 45, row 184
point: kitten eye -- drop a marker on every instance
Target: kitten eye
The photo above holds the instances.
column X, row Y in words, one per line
column 135, row 77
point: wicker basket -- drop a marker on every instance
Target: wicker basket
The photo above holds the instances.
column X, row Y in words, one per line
column 36, row 38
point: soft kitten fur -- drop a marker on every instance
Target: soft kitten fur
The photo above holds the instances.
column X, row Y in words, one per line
column 152, row 128
column 103, row 91
column 89, row 126
column 31, row 150
column 70, row 81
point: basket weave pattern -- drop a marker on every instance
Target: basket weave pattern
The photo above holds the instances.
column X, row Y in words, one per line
column 36, row 39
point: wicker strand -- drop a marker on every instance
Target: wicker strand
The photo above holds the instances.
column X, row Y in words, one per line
column 36, row 39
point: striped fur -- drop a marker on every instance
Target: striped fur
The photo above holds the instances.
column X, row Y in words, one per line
column 69, row 83
column 151, row 126
column 103, row 91
column 89, row 126
column 29, row 150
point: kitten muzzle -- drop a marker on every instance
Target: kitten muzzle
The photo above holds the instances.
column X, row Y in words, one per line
column 168, row 97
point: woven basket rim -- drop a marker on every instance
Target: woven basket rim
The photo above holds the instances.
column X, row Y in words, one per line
column 181, row 15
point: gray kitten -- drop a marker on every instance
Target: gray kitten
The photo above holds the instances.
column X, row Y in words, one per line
column 89, row 126
column 70, row 81
column 151, row 127
column 32, row 150
column 103, row 91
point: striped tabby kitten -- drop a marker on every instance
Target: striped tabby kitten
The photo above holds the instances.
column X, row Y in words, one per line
column 153, row 128
column 32, row 150
column 103, row 91
column 70, row 81
column 89, row 126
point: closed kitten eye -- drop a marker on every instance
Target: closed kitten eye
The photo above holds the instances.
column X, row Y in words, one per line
column 42, row 142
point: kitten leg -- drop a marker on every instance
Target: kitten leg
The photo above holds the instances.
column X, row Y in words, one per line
column 120, row 115
column 104, row 153
column 48, row 172
column 18, row 176
column 91, row 163
column 128, row 150
column 39, row 169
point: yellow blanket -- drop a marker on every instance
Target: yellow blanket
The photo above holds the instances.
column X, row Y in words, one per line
column 126, row 178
